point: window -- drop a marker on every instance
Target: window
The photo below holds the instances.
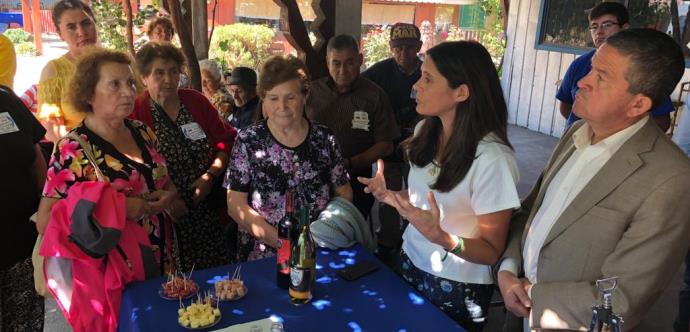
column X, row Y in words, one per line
column 563, row 24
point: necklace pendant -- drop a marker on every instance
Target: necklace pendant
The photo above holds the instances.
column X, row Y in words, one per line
column 433, row 170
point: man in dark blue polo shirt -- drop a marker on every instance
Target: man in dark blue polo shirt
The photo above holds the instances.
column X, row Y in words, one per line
column 396, row 76
column 605, row 19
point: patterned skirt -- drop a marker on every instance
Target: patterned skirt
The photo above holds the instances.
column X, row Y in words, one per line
column 21, row 308
column 200, row 241
column 467, row 304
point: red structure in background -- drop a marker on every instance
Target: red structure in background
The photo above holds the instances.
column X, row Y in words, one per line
column 226, row 14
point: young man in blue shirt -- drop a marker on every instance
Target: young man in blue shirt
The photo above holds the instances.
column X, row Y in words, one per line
column 605, row 19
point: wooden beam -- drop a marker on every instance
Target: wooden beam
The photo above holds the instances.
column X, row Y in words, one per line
column 324, row 29
column 186, row 41
column 26, row 16
column 187, row 11
column 199, row 16
column 128, row 28
column 295, row 32
column 36, row 21
column 505, row 7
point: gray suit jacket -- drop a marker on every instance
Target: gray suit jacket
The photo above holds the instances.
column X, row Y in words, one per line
column 632, row 220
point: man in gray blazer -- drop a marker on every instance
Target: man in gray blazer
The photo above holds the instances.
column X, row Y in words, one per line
column 611, row 201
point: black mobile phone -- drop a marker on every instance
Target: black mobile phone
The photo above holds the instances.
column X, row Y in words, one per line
column 357, row 270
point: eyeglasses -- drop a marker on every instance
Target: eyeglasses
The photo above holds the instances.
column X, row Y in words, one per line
column 604, row 25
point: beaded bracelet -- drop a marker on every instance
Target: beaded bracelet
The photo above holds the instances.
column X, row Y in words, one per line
column 457, row 250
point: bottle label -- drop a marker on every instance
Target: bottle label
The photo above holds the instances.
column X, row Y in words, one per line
column 284, row 256
column 300, row 279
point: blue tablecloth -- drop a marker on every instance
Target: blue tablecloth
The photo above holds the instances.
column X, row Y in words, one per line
column 381, row 301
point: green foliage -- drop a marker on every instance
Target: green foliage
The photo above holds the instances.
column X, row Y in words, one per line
column 650, row 14
column 491, row 7
column 17, row 36
column 376, row 47
column 490, row 30
column 111, row 22
column 241, row 44
column 494, row 41
column 25, row 48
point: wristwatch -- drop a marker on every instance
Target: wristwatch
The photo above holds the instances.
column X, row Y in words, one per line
column 279, row 244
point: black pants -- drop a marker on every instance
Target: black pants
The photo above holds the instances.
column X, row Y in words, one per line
column 21, row 308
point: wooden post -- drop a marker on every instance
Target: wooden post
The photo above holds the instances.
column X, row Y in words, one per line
column 26, row 16
column 128, row 28
column 186, row 41
column 199, row 16
column 292, row 27
column 348, row 18
column 36, row 21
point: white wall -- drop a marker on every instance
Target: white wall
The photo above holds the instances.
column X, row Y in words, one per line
column 530, row 75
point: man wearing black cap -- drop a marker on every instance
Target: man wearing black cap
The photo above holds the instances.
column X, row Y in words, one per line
column 242, row 86
column 395, row 76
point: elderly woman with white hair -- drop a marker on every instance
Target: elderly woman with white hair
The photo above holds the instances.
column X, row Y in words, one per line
column 213, row 89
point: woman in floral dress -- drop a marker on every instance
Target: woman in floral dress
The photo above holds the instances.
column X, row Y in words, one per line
column 284, row 152
column 195, row 143
column 125, row 150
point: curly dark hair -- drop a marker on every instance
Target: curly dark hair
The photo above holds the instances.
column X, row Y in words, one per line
column 165, row 22
column 87, row 73
column 158, row 50
column 280, row 69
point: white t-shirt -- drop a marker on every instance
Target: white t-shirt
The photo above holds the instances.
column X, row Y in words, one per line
column 489, row 186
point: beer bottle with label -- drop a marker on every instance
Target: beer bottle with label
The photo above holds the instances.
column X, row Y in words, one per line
column 286, row 227
column 302, row 263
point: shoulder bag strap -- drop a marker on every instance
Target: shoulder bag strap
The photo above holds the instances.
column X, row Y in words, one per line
column 88, row 151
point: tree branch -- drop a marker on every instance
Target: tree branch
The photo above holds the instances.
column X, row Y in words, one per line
column 128, row 28
column 186, row 41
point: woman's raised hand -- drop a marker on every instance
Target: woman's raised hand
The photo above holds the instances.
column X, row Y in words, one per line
column 427, row 222
column 377, row 186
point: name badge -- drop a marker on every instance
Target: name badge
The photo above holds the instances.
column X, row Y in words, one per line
column 360, row 120
column 193, row 131
column 7, row 124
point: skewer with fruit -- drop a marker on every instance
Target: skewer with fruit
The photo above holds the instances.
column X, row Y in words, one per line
column 232, row 288
column 177, row 287
column 201, row 313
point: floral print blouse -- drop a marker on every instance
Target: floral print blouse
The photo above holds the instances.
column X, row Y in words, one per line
column 265, row 169
column 69, row 165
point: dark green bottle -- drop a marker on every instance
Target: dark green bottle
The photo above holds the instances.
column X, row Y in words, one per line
column 302, row 262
